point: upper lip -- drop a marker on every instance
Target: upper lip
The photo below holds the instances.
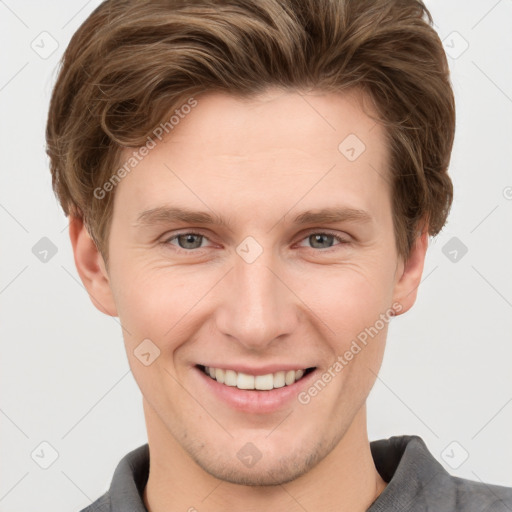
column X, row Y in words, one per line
column 259, row 370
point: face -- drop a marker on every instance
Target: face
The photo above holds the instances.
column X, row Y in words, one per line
column 287, row 258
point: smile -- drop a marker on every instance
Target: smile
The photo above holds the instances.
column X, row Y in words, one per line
column 246, row 381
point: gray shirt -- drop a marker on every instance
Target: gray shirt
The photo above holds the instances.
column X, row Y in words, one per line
column 416, row 482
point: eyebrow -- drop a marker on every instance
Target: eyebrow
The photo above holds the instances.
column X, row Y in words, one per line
column 164, row 214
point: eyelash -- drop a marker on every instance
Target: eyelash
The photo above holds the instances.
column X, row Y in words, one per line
column 180, row 250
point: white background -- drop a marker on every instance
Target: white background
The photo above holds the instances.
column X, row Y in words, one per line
column 65, row 378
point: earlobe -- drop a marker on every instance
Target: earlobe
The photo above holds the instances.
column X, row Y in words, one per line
column 91, row 268
column 406, row 287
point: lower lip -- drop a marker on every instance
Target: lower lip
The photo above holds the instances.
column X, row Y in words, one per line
column 255, row 401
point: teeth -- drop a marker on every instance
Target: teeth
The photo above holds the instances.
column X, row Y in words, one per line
column 279, row 379
column 230, row 378
column 259, row 382
column 219, row 375
column 264, row 382
column 289, row 378
column 245, row 381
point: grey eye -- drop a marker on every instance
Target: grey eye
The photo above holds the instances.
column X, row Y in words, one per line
column 318, row 239
column 189, row 241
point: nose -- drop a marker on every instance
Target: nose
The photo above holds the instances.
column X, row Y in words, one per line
column 258, row 306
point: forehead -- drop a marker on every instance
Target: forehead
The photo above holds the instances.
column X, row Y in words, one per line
column 280, row 144
column 277, row 120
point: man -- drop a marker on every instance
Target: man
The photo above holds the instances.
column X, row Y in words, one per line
column 251, row 186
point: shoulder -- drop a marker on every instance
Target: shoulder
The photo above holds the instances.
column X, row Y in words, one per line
column 417, row 481
column 102, row 504
column 127, row 485
column 480, row 497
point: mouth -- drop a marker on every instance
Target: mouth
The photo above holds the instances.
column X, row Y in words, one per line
column 245, row 381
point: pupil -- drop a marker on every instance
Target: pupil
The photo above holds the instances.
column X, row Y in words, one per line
column 189, row 239
column 318, row 238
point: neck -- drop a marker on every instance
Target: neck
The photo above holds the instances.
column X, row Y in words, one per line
column 345, row 480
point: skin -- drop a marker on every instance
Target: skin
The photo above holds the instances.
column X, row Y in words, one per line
column 257, row 163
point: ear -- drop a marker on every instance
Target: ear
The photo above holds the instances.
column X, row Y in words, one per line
column 409, row 274
column 91, row 267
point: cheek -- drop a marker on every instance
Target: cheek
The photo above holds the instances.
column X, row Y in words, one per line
column 349, row 299
column 155, row 303
column 357, row 311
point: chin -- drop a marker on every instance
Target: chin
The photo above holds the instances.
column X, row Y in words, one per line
column 271, row 469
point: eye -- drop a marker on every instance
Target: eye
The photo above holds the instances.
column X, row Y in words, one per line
column 187, row 241
column 324, row 240
column 190, row 241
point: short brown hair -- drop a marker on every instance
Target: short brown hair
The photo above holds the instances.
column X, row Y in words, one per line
column 132, row 62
